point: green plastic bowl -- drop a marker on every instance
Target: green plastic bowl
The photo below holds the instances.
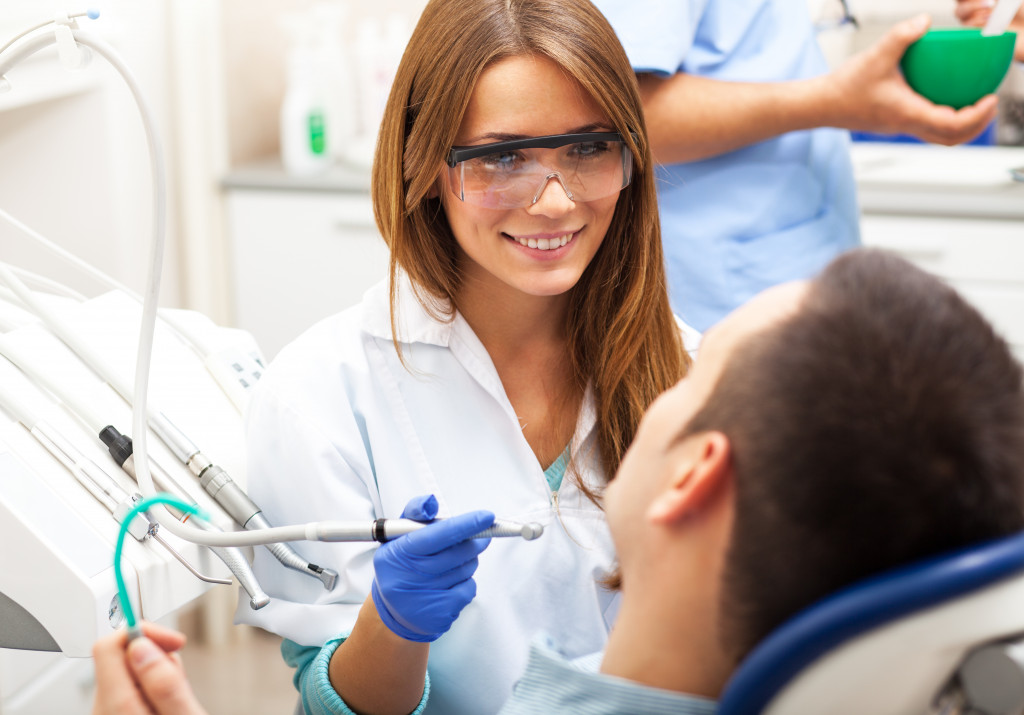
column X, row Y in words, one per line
column 957, row 66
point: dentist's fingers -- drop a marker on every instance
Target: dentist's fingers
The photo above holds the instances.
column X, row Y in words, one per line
column 162, row 679
column 421, row 508
column 117, row 691
column 974, row 12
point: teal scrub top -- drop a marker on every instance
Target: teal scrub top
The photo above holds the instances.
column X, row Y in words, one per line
column 779, row 210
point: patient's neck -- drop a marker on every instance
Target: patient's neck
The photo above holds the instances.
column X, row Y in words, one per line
column 666, row 634
column 678, row 653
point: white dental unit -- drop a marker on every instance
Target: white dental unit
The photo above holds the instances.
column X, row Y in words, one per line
column 57, row 587
column 63, row 489
column 60, row 488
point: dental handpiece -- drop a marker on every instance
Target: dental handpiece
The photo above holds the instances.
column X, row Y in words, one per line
column 121, row 449
column 234, row 559
column 233, row 499
column 383, row 530
column 244, row 511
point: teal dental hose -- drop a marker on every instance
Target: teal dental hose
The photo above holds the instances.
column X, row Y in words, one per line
column 122, row 590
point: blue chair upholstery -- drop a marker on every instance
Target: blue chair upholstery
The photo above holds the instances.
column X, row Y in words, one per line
column 887, row 644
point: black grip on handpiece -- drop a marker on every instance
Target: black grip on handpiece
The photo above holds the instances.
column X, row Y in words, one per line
column 119, row 445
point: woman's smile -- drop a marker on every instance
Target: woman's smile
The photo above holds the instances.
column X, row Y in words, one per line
column 546, row 242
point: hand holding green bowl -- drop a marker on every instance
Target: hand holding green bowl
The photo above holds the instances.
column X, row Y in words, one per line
column 957, row 66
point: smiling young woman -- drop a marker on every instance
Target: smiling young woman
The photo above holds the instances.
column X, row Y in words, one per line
column 622, row 337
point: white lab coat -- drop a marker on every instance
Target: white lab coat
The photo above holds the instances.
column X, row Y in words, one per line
column 339, row 430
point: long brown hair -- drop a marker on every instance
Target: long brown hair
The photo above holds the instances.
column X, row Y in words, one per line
column 623, row 337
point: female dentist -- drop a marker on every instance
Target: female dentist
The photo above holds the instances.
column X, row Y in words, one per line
column 503, row 367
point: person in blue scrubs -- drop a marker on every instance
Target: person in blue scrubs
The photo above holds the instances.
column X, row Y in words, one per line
column 756, row 185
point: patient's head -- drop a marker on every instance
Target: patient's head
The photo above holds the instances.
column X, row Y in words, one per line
column 881, row 423
column 864, row 420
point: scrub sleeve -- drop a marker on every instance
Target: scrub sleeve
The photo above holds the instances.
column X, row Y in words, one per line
column 313, row 682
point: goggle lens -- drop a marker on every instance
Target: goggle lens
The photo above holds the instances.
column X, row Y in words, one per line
column 513, row 176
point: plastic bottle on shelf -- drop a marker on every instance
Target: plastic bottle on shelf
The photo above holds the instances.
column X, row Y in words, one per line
column 305, row 141
column 337, row 74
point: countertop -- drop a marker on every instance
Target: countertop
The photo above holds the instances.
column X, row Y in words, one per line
column 269, row 175
column 920, row 179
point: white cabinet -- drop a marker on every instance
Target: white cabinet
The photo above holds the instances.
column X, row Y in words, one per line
column 984, row 259
column 39, row 682
column 299, row 255
column 955, row 212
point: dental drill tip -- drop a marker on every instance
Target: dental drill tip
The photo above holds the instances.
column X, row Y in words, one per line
column 531, row 531
column 258, row 602
column 387, row 529
column 328, row 576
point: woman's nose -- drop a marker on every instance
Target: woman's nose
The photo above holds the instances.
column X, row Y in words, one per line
column 553, row 197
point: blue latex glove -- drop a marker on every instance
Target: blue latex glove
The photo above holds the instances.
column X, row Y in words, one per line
column 424, row 579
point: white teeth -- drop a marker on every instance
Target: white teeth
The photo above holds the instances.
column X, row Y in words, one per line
column 545, row 244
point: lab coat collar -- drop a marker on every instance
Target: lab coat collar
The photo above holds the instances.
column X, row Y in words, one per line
column 416, row 325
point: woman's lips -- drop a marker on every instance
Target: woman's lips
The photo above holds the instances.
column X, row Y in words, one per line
column 544, row 241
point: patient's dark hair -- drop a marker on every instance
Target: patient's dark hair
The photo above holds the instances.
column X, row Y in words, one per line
column 882, row 423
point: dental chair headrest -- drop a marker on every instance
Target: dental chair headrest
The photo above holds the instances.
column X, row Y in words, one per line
column 886, row 645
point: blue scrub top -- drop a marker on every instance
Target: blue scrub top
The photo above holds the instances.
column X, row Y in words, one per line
column 775, row 211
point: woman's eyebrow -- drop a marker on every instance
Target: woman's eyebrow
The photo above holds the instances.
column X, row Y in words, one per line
column 498, row 137
column 506, row 136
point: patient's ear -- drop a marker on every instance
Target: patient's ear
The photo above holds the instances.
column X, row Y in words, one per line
column 703, row 469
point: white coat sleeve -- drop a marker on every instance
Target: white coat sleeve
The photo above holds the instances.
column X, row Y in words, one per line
column 307, row 460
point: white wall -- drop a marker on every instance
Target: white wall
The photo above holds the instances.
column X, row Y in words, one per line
column 255, row 48
column 75, row 167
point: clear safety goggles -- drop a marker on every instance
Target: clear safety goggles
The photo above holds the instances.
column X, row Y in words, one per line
column 513, row 174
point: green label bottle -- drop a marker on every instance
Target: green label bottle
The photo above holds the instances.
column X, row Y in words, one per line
column 317, row 133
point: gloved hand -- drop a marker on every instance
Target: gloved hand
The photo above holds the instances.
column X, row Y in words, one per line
column 424, row 579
